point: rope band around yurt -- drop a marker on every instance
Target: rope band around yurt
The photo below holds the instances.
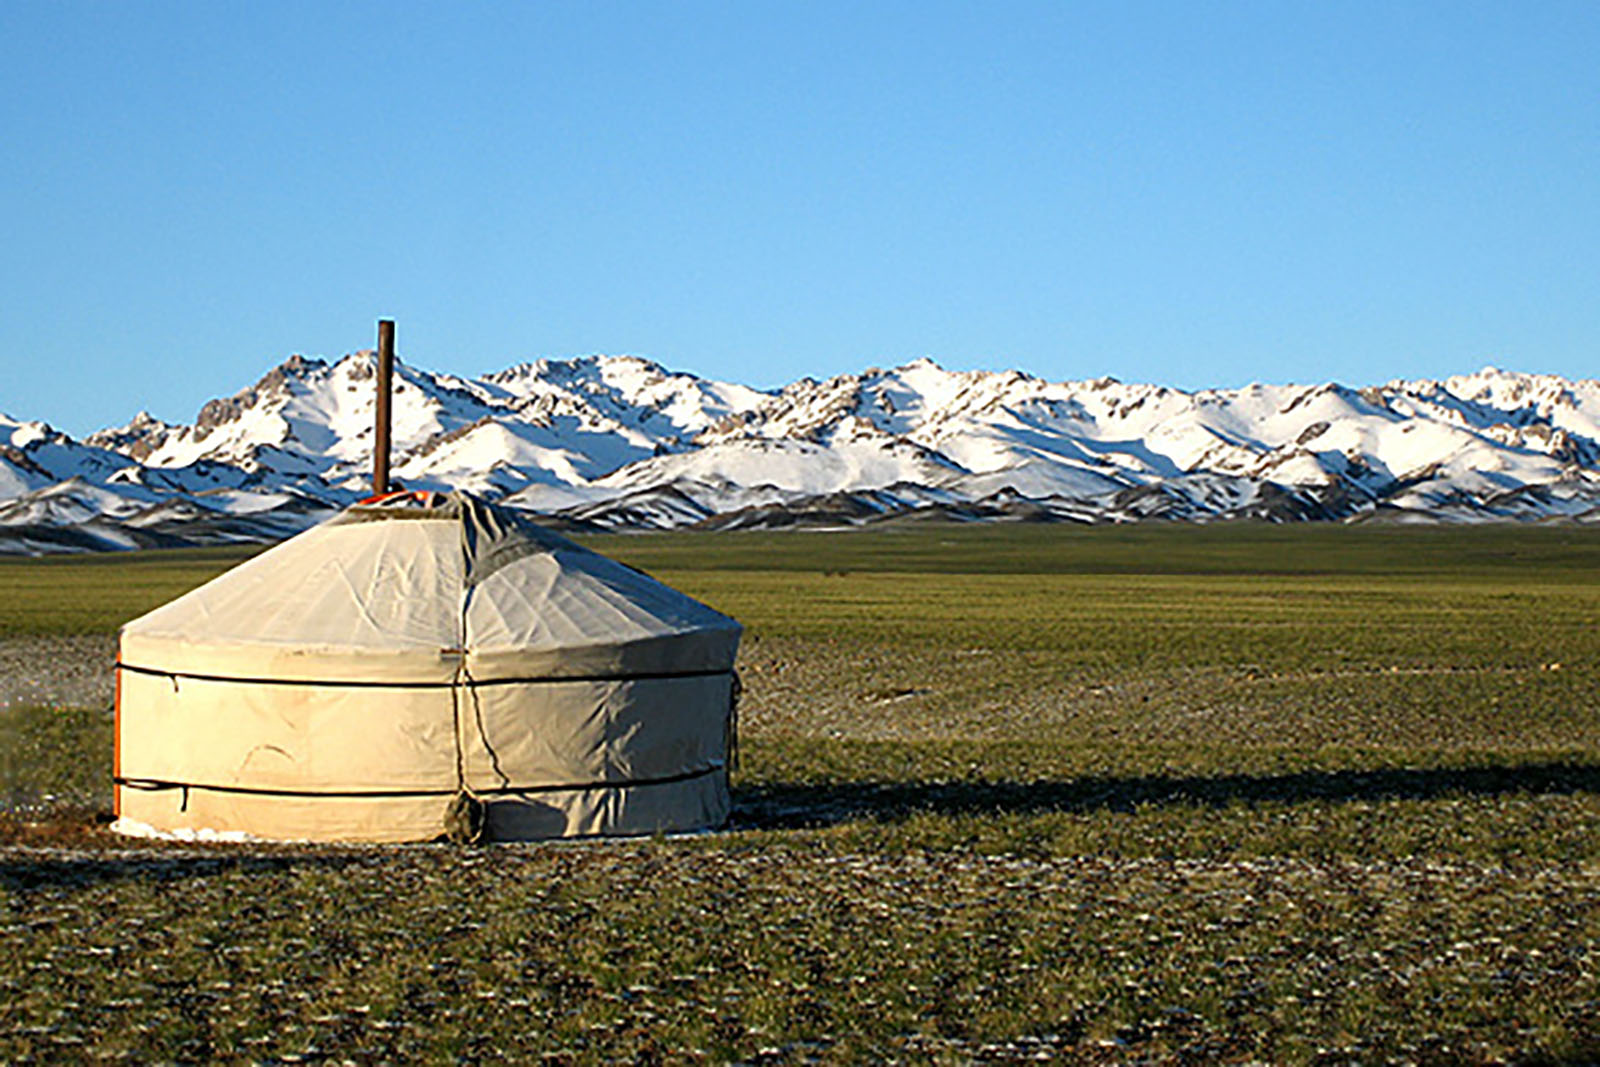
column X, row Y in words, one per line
column 365, row 683
column 157, row 784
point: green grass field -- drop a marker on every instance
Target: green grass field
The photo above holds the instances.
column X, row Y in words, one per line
column 1232, row 793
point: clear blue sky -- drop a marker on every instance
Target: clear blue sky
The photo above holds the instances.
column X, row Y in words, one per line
column 1196, row 194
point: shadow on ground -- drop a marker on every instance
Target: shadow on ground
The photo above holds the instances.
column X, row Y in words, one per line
column 80, row 871
column 72, row 849
column 779, row 806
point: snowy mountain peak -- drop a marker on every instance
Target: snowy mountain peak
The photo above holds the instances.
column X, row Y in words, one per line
column 142, row 435
column 21, row 434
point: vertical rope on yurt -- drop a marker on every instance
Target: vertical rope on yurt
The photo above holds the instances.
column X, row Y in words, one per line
column 483, row 731
column 466, row 816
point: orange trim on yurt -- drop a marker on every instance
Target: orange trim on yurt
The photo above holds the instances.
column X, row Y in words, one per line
column 116, row 749
column 428, row 498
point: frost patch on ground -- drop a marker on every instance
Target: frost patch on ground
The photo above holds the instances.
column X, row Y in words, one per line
column 57, row 671
column 134, row 828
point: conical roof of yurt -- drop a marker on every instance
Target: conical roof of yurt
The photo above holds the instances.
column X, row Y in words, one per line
column 421, row 664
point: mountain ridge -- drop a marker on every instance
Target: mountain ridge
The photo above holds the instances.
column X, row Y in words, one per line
column 621, row 442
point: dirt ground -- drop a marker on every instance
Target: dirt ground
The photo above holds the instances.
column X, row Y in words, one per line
column 65, row 671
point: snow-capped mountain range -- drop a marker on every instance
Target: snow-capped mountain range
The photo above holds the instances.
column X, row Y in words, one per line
column 617, row 442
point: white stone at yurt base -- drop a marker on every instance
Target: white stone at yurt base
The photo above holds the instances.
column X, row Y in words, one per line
column 358, row 681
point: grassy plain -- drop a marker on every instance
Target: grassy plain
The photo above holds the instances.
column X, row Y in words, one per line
column 1232, row 793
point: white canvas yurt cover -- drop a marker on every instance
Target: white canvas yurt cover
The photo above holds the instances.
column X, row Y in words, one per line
column 354, row 682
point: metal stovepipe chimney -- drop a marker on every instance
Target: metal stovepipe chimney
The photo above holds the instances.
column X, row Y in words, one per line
column 380, row 438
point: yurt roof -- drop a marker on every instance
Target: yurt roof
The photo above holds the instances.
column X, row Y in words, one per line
column 418, row 586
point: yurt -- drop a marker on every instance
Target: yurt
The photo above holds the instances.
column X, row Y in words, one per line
column 426, row 665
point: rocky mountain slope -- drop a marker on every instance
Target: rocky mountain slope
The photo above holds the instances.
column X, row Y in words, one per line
column 622, row 443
